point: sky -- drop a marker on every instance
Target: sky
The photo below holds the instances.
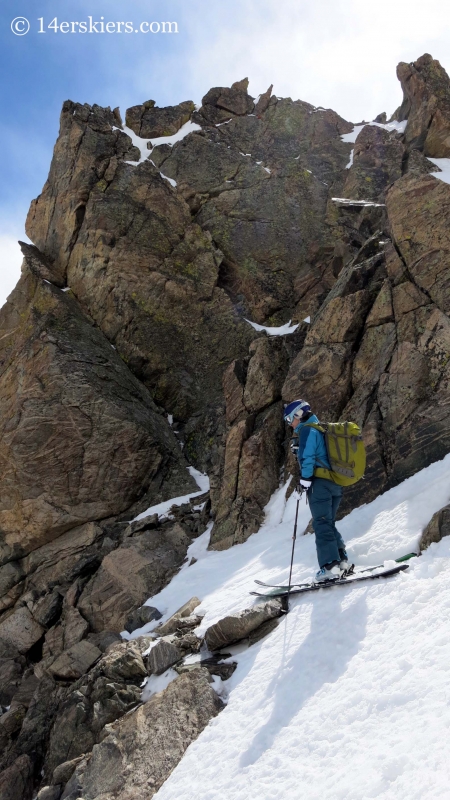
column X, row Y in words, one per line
column 339, row 54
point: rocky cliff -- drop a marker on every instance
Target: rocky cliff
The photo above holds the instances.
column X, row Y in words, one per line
column 127, row 355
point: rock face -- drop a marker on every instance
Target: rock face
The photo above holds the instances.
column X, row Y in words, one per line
column 130, row 574
column 426, row 106
column 140, row 751
column 259, row 184
column 148, row 121
column 80, row 438
column 126, row 354
column 253, row 445
column 377, row 162
column 125, row 243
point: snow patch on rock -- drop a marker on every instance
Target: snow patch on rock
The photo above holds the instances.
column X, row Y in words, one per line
column 282, row 330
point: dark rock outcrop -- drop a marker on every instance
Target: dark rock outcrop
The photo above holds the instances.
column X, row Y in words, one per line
column 377, row 162
column 149, row 121
column 124, row 241
column 426, row 106
column 162, row 656
column 141, row 750
column 138, row 569
column 141, row 616
column 16, row 782
column 437, row 528
column 80, row 438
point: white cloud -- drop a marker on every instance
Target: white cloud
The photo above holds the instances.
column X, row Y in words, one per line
column 340, row 54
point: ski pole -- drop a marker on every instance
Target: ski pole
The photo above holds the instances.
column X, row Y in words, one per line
column 293, row 548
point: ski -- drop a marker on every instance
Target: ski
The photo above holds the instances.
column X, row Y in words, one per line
column 350, row 571
column 310, row 587
column 282, row 585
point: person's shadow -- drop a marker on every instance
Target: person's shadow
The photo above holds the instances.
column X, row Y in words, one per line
column 323, row 656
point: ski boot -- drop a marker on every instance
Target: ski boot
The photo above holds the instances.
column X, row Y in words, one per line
column 344, row 564
column 330, row 572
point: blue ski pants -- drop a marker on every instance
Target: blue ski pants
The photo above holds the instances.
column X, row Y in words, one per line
column 324, row 497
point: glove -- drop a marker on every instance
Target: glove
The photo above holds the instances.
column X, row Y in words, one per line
column 305, row 483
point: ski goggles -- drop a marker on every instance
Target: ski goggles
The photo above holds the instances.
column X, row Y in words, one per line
column 289, row 418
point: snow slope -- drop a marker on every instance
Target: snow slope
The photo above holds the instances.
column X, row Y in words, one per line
column 349, row 697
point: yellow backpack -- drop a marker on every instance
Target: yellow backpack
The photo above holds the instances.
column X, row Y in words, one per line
column 345, row 450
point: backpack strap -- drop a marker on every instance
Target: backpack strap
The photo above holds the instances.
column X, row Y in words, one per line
column 324, row 467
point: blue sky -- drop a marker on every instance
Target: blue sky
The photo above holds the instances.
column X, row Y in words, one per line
column 336, row 53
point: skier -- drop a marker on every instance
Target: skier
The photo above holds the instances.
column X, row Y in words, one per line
column 323, row 495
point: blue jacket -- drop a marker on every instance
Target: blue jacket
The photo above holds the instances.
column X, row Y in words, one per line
column 312, row 451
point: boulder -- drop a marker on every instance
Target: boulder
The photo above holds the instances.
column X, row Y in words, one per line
column 72, row 790
column 437, row 528
column 11, row 574
column 49, row 793
column 141, row 750
column 48, row 608
column 262, row 631
column 214, row 666
column 142, row 616
column 239, row 626
column 131, row 574
column 94, row 701
column 16, row 782
column 188, row 642
column 63, row 773
column 74, row 663
column 222, row 102
column 20, row 630
column 162, row 656
column 171, row 625
column 123, row 662
column 57, row 563
column 11, row 722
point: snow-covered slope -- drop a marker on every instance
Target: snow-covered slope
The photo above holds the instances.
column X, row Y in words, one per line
column 349, row 696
